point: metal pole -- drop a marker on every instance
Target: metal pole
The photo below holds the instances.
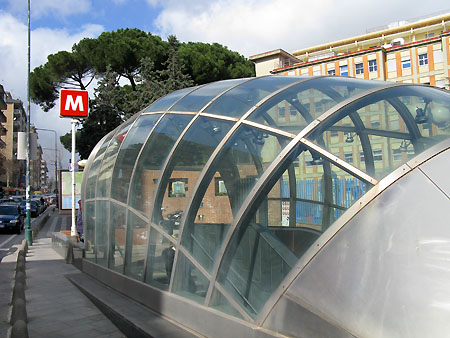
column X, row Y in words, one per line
column 28, row 232
column 73, row 232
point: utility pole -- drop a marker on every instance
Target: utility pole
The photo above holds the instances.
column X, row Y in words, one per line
column 28, row 231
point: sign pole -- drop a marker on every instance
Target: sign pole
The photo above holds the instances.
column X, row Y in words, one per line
column 73, row 231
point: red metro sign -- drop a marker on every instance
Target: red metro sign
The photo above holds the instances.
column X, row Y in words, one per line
column 74, row 103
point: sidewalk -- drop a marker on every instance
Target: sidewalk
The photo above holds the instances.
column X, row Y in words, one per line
column 55, row 307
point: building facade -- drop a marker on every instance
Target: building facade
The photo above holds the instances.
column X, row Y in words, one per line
column 407, row 52
column 2, row 141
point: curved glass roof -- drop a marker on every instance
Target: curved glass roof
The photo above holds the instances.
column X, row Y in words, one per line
column 215, row 192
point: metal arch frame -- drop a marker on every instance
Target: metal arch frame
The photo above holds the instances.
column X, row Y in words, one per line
column 95, row 199
column 273, row 168
column 163, row 170
column 127, row 255
column 217, row 151
column 344, row 219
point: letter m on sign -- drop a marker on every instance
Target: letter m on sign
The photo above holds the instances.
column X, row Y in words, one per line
column 74, row 103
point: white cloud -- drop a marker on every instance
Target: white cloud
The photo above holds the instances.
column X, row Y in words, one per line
column 251, row 27
column 14, row 61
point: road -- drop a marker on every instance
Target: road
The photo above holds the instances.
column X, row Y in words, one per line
column 8, row 241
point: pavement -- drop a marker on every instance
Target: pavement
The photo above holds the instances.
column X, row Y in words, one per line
column 55, row 306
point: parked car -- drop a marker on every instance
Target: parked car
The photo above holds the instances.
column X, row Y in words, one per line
column 34, row 208
column 11, row 218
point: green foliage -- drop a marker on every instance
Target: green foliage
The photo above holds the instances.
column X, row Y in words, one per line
column 213, row 62
column 153, row 68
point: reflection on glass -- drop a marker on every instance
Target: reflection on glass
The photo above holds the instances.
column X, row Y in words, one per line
column 93, row 171
column 239, row 100
column 101, row 232
column 117, row 237
column 161, row 254
column 152, row 158
column 187, row 162
column 219, row 302
column 166, row 101
column 197, row 99
column 128, row 153
column 294, row 108
column 188, row 281
column 104, row 178
column 299, row 207
column 89, row 228
column 247, row 154
column 380, row 132
column 136, row 246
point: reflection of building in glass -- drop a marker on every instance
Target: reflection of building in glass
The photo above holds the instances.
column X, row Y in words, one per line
column 277, row 205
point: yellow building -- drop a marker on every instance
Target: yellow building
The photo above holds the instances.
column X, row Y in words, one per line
column 415, row 51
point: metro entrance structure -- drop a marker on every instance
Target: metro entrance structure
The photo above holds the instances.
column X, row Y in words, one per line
column 300, row 206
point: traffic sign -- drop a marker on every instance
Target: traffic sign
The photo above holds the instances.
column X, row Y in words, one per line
column 74, row 103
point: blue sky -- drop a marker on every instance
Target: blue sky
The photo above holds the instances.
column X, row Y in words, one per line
column 246, row 26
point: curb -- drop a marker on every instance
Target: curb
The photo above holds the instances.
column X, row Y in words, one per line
column 18, row 312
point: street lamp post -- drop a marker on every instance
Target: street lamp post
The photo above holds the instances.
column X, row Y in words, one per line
column 56, row 154
column 28, row 231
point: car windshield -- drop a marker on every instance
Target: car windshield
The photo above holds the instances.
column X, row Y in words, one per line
column 8, row 210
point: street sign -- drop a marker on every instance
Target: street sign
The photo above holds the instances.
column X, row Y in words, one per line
column 74, row 103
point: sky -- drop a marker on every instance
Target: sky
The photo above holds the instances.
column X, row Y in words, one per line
column 246, row 26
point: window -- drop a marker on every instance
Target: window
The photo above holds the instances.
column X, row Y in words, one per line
column 348, row 157
column 406, row 62
column 373, row 66
column 397, row 154
column 378, row 155
column 423, row 59
column 220, row 188
column 344, row 70
column 359, row 68
column 178, row 187
column 318, row 108
column 332, row 72
column 375, row 124
column 292, row 110
column 361, row 156
column 282, row 112
column 429, row 35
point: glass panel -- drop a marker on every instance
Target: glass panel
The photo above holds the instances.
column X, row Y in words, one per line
column 161, row 254
column 297, row 209
column 128, row 153
column 185, row 166
column 136, row 246
column 294, row 108
column 196, row 100
column 117, row 236
column 188, row 281
column 101, row 232
column 93, row 170
column 166, row 101
column 104, row 178
column 239, row 100
column 386, row 129
column 89, row 228
column 152, row 158
column 247, row 154
column 219, row 302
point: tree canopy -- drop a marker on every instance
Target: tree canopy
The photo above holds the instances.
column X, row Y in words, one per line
column 152, row 67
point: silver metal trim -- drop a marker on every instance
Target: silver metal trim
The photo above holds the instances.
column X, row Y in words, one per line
column 339, row 162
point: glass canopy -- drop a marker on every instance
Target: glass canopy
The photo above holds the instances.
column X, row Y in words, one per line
column 215, row 192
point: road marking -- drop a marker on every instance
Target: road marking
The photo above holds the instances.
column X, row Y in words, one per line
column 9, row 239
